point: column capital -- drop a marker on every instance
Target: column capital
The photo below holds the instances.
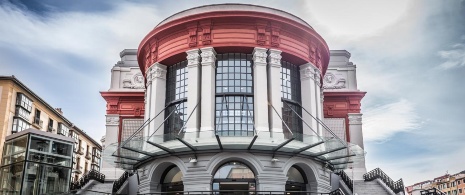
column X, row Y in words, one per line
column 112, row 119
column 208, row 55
column 157, row 70
column 259, row 56
column 274, row 58
column 355, row 118
column 307, row 71
column 193, row 58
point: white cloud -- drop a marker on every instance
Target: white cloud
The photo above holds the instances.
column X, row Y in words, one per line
column 382, row 122
column 454, row 58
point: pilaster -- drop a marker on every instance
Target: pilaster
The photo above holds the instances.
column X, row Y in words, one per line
column 275, row 94
column 208, row 63
column 318, row 103
column 260, row 90
column 156, row 77
column 193, row 94
column 309, row 98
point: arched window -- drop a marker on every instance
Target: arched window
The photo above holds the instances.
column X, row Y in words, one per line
column 172, row 180
column 234, row 95
column 290, row 88
column 234, row 176
column 176, row 90
column 296, row 180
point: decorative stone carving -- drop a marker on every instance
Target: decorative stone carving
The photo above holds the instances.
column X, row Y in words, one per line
column 193, row 57
column 259, row 56
column 208, row 56
column 192, row 29
column 112, row 120
column 274, row 58
column 261, row 30
column 136, row 82
column 156, row 71
column 275, row 30
column 307, row 72
column 330, row 81
column 355, row 119
column 206, row 32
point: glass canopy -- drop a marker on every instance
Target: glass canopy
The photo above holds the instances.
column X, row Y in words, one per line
column 332, row 151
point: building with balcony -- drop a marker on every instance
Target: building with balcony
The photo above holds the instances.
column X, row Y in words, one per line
column 448, row 184
column 21, row 108
column 236, row 97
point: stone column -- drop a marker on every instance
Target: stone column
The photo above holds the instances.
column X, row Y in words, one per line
column 309, row 101
column 207, row 123
column 274, row 93
column 111, row 137
column 260, row 90
column 355, row 129
column 356, row 137
column 147, row 102
column 157, row 76
column 318, row 104
column 193, row 94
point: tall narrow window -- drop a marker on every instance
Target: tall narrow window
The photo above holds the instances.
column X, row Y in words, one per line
column 176, row 90
column 290, row 88
column 234, row 95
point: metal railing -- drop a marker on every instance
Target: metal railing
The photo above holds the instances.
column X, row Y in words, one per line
column 91, row 175
column 377, row 173
column 346, row 179
column 432, row 191
column 119, row 183
column 247, row 192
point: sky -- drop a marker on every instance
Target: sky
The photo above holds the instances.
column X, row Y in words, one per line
column 410, row 57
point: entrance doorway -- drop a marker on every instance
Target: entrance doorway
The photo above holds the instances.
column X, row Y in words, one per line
column 296, row 181
column 172, row 180
column 234, row 178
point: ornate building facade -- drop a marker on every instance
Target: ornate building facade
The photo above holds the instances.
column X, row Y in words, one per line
column 234, row 96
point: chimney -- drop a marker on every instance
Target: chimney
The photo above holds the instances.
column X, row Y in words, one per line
column 59, row 110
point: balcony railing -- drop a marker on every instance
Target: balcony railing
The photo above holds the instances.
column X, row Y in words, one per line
column 91, row 175
column 118, row 183
column 432, row 191
column 38, row 122
column 51, row 129
column 346, row 179
column 377, row 173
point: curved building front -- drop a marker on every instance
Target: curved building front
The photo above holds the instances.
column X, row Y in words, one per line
column 233, row 101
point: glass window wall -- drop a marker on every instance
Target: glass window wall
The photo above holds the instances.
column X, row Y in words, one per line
column 19, row 125
column 290, row 90
column 176, row 89
column 234, row 95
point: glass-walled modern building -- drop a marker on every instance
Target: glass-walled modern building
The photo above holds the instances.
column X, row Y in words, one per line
column 36, row 162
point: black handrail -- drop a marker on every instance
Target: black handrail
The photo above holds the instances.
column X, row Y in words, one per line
column 118, row 183
column 377, row 173
column 432, row 191
column 247, row 192
column 346, row 179
column 91, row 175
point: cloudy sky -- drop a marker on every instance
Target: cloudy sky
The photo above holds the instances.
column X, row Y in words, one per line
column 410, row 58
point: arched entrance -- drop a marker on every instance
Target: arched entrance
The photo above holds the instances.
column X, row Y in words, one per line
column 234, row 176
column 172, row 180
column 297, row 181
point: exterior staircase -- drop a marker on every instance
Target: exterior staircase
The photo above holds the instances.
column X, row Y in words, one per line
column 375, row 182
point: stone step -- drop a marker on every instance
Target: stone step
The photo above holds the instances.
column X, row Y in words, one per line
column 369, row 188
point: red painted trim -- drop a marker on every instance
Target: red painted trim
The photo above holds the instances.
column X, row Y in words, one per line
column 167, row 43
column 337, row 104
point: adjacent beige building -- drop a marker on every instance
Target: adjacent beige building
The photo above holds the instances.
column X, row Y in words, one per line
column 21, row 108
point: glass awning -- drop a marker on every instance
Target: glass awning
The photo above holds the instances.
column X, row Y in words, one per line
column 131, row 154
column 331, row 150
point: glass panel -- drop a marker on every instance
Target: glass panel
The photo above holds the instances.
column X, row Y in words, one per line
column 234, row 170
column 10, row 179
column 176, row 89
column 234, row 116
column 61, row 148
column 173, row 175
column 24, row 102
column 45, row 179
column 40, row 144
column 290, row 90
column 177, row 118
